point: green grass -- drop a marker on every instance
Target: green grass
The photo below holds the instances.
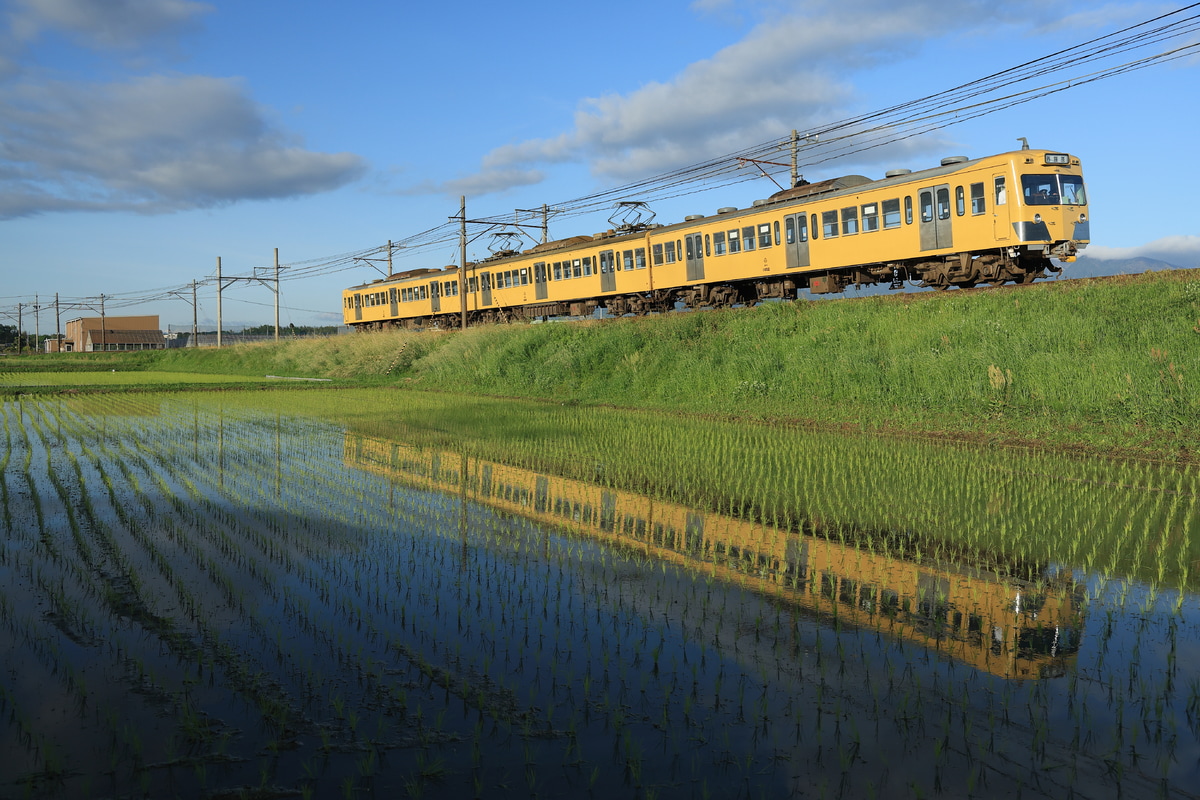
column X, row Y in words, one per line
column 1103, row 364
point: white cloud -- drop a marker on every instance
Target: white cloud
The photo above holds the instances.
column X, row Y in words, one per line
column 105, row 23
column 150, row 144
column 1183, row 251
column 795, row 68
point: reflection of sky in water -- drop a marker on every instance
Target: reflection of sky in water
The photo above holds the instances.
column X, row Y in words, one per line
column 687, row 645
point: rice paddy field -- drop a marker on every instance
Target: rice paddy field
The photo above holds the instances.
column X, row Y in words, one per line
column 25, row 379
column 376, row 592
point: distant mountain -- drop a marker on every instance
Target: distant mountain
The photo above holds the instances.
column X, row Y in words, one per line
column 1085, row 267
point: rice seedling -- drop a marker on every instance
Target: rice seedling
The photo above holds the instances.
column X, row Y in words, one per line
column 282, row 585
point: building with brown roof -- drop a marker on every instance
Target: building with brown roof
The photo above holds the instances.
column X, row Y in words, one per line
column 92, row 334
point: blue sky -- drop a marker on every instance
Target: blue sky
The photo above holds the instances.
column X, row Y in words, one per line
column 142, row 139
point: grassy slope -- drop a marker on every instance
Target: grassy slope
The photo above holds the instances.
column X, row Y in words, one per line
column 1106, row 363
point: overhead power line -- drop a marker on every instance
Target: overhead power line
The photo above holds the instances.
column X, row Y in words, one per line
column 820, row 144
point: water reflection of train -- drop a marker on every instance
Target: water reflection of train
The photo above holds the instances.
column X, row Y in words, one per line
column 1004, row 626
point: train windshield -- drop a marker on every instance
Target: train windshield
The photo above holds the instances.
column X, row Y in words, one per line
column 1053, row 190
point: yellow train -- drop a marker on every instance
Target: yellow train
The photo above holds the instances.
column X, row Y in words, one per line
column 968, row 221
column 1003, row 626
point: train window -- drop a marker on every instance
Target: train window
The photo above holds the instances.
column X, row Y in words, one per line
column 978, row 204
column 789, row 227
column 719, row 243
column 960, row 201
column 472, row 285
column 1001, row 191
column 816, row 232
column 669, row 252
column 525, row 277
column 707, row 245
column 943, row 203
column 802, row 228
column 776, row 231
column 927, row 206
column 1040, row 190
column 587, row 265
column 764, row 235
column 690, row 253
column 891, row 213
column 748, row 238
column 639, row 258
column 558, row 275
column 658, row 254
column 829, row 224
column 627, row 258
column 433, row 289
column 577, row 268
column 849, row 221
column 870, row 218
column 908, row 211
column 735, row 242
column 1072, row 190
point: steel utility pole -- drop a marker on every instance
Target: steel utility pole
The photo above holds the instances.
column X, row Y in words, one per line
column 37, row 325
column 102, row 342
column 57, row 323
column 20, row 325
column 192, row 342
column 462, row 258
column 219, row 287
column 277, row 294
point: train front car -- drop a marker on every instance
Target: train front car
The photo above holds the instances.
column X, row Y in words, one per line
column 1050, row 218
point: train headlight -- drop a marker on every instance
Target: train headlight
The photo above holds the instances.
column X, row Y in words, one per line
column 1037, row 219
column 1083, row 217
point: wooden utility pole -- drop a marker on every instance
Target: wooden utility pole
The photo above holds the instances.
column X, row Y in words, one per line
column 462, row 258
column 57, row 323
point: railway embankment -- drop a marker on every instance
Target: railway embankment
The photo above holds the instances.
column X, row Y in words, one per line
column 1102, row 364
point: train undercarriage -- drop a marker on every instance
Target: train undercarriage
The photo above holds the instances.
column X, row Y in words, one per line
column 959, row 270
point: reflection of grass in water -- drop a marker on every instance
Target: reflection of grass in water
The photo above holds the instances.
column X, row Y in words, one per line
column 377, row 601
column 945, row 501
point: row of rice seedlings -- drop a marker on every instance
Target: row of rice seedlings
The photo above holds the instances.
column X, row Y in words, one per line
column 514, row 633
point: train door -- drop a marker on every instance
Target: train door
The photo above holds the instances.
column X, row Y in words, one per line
column 608, row 271
column 435, row 297
column 694, row 253
column 539, row 280
column 485, row 288
column 934, row 204
column 795, row 230
column 395, row 302
column 358, row 307
column 1002, row 224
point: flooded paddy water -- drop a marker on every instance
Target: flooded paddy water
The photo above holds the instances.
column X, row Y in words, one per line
column 204, row 596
